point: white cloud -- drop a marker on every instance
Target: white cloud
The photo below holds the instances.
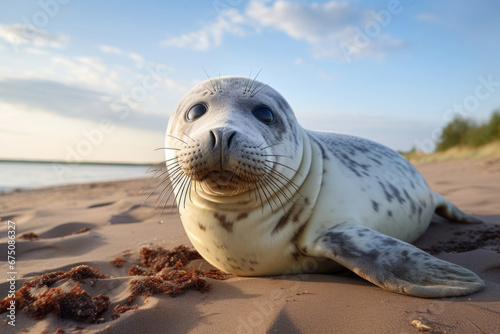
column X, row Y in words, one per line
column 88, row 72
column 211, row 35
column 72, row 101
column 136, row 57
column 37, row 134
column 332, row 30
column 111, row 49
column 35, row 51
column 311, row 22
column 20, row 34
column 93, row 62
column 172, row 84
column 4, row 70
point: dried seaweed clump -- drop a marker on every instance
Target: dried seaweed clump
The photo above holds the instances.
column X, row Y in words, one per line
column 29, row 236
column 160, row 258
column 176, row 280
column 120, row 309
column 173, row 284
column 486, row 236
column 77, row 274
column 78, row 305
column 118, row 262
column 74, row 304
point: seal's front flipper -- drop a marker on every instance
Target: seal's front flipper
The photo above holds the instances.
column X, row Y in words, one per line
column 393, row 264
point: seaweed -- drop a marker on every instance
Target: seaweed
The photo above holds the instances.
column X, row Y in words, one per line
column 29, row 236
column 120, row 309
column 487, row 237
column 177, row 280
column 75, row 304
column 79, row 305
column 160, row 258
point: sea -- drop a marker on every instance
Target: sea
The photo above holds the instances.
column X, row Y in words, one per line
column 30, row 175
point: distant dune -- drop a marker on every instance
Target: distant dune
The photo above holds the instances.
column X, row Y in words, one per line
column 490, row 150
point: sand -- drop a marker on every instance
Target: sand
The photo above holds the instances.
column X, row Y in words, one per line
column 112, row 223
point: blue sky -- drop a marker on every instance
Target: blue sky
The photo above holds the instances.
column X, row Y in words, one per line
column 97, row 80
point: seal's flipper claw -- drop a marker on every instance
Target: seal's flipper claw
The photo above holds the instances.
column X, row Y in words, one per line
column 393, row 264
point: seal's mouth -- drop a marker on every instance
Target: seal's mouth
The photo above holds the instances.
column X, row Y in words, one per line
column 222, row 178
column 220, row 175
column 223, row 181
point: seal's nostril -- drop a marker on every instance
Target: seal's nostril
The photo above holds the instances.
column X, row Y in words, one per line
column 230, row 138
column 219, row 139
column 213, row 138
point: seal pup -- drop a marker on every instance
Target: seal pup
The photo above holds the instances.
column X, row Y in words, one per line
column 259, row 195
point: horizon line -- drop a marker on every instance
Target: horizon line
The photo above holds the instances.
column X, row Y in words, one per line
column 80, row 163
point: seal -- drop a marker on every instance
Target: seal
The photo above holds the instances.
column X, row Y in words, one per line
column 259, row 195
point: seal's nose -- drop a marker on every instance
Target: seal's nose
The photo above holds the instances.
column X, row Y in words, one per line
column 221, row 138
column 230, row 137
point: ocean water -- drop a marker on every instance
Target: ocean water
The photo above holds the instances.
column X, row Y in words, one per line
column 28, row 175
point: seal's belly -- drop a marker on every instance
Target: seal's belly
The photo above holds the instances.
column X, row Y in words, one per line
column 368, row 184
column 406, row 221
column 246, row 252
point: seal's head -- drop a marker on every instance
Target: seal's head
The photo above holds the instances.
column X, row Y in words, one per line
column 230, row 136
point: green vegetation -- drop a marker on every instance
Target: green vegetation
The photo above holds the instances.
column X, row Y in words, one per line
column 463, row 139
column 462, row 132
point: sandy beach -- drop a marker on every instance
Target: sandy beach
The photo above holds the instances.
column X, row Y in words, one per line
column 92, row 224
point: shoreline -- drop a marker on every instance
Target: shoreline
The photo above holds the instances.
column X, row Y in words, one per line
column 32, row 175
column 56, row 187
column 96, row 163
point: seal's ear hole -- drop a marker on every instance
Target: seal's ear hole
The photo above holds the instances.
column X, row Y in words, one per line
column 196, row 112
column 264, row 114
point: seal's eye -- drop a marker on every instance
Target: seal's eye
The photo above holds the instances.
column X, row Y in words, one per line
column 196, row 112
column 264, row 114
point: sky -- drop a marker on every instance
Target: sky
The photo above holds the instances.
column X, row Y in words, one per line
column 97, row 80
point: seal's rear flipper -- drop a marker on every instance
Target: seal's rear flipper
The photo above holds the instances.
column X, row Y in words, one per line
column 393, row 264
column 446, row 209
